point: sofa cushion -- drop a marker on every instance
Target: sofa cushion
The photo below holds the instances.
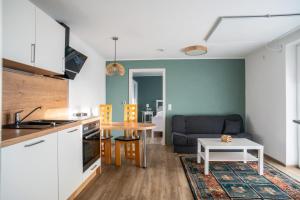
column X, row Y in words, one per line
column 178, row 123
column 192, row 139
column 204, row 124
column 232, row 127
column 236, row 117
column 179, row 138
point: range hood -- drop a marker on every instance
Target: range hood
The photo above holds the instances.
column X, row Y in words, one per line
column 74, row 60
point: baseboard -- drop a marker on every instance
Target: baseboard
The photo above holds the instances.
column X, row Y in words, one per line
column 87, row 182
column 274, row 160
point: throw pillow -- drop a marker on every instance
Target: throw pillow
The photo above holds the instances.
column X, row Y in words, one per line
column 232, row 127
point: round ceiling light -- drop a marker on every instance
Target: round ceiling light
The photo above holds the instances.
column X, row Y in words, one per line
column 195, row 50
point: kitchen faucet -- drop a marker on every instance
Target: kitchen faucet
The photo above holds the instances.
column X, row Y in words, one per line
column 18, row 119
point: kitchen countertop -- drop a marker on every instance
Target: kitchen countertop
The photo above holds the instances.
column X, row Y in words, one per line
column 14, row 136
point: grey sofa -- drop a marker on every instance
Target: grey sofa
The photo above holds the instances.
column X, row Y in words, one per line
column 186, row 130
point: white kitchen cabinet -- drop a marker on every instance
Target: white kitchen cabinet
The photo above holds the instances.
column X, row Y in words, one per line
column 69, row 161
column 50, row 43
column 29, row 170
column 19, row 31
column 32, row 37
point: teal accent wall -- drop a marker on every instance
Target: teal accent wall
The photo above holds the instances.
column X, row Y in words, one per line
column 149, row 90
column 200, row 86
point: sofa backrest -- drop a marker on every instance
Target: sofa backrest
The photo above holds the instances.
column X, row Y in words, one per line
column 203, row 124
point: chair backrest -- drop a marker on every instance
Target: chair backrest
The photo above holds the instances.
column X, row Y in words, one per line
column 106, row 116
column 130, row 115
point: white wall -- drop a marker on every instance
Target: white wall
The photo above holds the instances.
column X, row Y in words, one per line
column 298, row 98
column 87, row 91
column 291, row 105
column 271, row 99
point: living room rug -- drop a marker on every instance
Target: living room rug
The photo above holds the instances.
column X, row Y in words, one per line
column 236, row 180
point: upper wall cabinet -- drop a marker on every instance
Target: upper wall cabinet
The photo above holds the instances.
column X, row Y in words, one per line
column 19, row 31
column 32, row 37
column 50, row 43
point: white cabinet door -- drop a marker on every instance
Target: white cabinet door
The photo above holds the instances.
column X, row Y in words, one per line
column 29, row 170
column 69, row 161
column 19, row 31
column 50, row 43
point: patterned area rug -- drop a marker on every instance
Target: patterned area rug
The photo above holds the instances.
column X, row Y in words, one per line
column 236, row 180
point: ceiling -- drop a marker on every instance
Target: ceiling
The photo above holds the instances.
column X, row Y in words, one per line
column 145, row 26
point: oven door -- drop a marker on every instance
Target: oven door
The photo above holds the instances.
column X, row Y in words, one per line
column 91, row 148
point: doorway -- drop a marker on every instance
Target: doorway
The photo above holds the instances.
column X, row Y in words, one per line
column 147, row 89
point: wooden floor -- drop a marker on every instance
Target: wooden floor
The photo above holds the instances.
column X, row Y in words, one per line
column 163, row 179
column 291, row 171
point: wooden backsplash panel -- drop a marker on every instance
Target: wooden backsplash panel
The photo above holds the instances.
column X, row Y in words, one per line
column 23, row 91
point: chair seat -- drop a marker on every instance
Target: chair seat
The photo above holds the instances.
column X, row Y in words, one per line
column 106, row 137
column 129, row 138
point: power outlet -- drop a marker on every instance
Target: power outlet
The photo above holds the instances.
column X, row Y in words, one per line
column 169, row 107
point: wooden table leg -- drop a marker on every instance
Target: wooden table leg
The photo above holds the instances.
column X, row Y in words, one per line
column 137, row 153
column 107, row 147
column 109, row 150
column 118, row 154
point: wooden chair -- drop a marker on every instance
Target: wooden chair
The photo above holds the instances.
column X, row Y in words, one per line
column 106, row 117
column 131, row 139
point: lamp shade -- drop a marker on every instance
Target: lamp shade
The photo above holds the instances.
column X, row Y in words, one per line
column 115, row 68
column 195, row 50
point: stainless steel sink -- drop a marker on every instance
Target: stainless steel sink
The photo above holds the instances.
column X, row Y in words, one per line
column 37, row 124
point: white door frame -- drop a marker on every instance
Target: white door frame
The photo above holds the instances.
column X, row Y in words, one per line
column 161, row 71
column 135, row 88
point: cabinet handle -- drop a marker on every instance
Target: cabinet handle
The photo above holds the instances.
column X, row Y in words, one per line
column 91, row 135
column 93, row 167
column 35, row 143
column 72, row 131
column 32, row 53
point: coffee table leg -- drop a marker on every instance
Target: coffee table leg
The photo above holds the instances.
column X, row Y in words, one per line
column 245, row 155
column 199, row 152
column 261, row 161
column 206, row 161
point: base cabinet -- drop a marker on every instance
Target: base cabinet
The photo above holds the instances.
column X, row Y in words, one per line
column 29, row 170
column 69, row 161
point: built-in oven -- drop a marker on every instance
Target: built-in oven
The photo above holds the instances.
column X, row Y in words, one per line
column 90, row 144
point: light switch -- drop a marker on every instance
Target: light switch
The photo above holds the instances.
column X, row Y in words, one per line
column 169, row 106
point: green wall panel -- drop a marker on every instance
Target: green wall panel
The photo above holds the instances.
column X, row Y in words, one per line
column 149, row 90
column 200, row 86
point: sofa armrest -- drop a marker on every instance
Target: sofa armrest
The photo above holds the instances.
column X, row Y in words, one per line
column 179, row 138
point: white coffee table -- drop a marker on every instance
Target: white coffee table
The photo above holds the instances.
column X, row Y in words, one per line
column 230, row 156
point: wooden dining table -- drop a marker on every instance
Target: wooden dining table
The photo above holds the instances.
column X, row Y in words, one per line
column 141, row 128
